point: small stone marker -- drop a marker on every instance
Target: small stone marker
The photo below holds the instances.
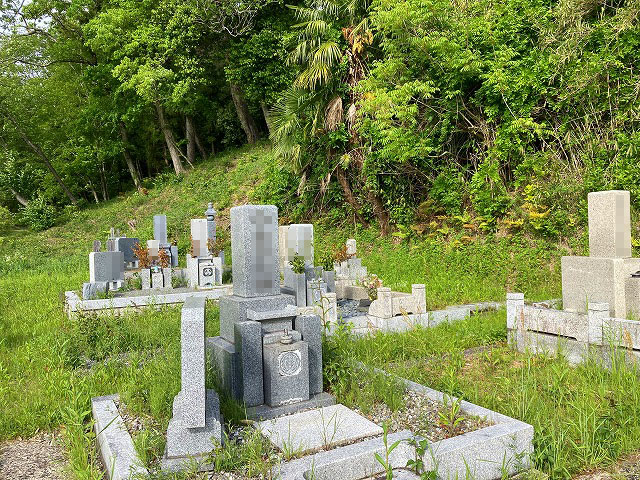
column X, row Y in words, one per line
column 609, row 224
column 351, row 247
column 160, row 229
column 254, row 240
column 312, row 430
column 96, row 246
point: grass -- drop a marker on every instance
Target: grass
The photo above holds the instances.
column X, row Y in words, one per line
column 50, row 366
column 584, row 417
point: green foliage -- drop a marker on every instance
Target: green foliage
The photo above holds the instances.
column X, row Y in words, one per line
column 39, row 214
column 298, row 264
column 6, row 219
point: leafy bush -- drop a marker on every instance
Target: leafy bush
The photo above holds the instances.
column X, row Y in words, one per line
column 6, row 219
column 39, row 215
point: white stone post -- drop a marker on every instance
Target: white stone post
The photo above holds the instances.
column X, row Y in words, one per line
column 515, row 314
column 419, row 293
column 596, row 316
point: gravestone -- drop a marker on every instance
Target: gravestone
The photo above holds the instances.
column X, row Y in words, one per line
column 261, row 359
column 351, row 247
column 602, row 277
column 300, row 242
column 609, row 224
column 106, row 266
column 203, row 269
column 160, row 229
column 199, row 237
column 126, row 246
column 254, row 251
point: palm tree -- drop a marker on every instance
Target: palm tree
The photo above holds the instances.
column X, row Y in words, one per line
column 330, row 53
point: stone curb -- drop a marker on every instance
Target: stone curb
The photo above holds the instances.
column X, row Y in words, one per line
column 485, row 454
column 74, row 304
column 117, row 451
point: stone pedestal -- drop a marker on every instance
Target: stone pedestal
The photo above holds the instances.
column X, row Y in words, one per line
column 588, row 280
column 632, row 297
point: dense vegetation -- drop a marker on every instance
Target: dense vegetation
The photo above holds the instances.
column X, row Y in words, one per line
column 399, row 113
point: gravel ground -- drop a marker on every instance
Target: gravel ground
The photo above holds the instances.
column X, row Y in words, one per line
column 420, row 415
column 37, row 458
column 349, row 308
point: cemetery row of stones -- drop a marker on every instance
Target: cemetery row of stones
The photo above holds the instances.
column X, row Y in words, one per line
column 268, row 357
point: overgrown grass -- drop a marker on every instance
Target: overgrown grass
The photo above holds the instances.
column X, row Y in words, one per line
column 584, row 417
column 50, row 366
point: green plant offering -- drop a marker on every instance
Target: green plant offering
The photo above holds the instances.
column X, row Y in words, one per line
column 298, row 264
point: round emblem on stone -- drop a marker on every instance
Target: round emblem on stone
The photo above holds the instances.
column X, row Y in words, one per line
column 207, row 272
column 289, row 363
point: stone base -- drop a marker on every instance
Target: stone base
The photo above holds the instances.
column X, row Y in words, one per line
column 588, row 280
column 265, row 412
column 185, row 443
column 233, row 309
column 320, row 428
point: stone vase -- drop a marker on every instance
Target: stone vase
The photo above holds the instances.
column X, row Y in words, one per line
column 299, row 286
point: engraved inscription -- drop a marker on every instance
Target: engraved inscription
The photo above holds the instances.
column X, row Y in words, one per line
column 289, row 363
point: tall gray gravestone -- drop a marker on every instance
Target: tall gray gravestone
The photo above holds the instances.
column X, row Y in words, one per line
column 261, row 359
column 160, row 229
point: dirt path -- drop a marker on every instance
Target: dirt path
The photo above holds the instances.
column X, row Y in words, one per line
column 37, row 458
column 627, row 468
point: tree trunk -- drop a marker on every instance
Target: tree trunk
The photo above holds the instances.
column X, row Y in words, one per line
column 135, row 173
column 40, row 153
column 203, row 152
column 170, row 141
column 93, row 190
column 246, row 120
column 191, row 140
column 103, row 183
column 348, row 194
column 267, row 117
column 21, row 200
column 380, row 212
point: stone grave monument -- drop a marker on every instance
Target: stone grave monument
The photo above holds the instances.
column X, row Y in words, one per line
column 196, row 426
column 350, row 274
column 106, row 272
column 605, row 276
column 204, row 269
column 267, row 356
column 160, row 241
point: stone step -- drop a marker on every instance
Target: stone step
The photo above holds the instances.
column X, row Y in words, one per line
column 317, row 429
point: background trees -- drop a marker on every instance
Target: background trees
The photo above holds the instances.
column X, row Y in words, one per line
column 385, row 111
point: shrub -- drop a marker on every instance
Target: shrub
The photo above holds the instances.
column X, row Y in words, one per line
column 6, row 219
column 39, row 215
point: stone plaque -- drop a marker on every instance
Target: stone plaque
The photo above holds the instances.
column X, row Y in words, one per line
column 289, row 363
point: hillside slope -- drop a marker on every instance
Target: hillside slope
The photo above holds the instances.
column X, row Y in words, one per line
column 44, row 379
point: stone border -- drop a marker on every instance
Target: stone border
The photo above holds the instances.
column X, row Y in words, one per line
column 540, row 329
column 74, row 304
column 117, row 451
column 365, row 324
column 483, row 454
